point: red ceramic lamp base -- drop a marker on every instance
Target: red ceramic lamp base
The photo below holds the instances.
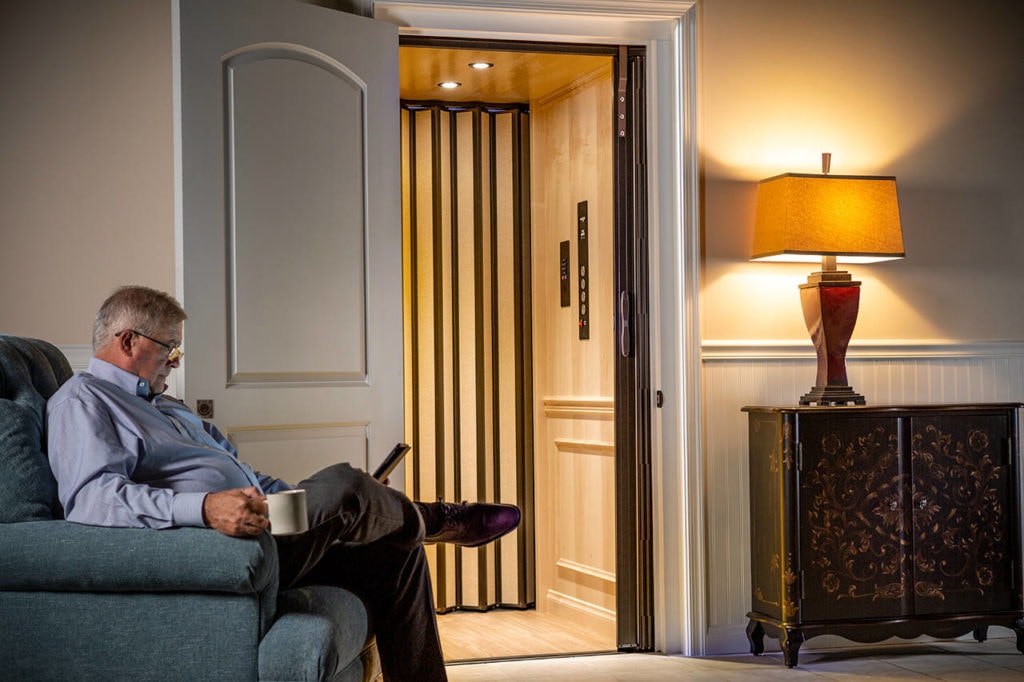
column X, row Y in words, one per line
column 830, row 302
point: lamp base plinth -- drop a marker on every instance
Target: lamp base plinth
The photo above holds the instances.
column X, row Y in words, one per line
column 832, row 395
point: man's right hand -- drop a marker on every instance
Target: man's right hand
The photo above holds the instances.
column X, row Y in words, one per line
column 239, row 513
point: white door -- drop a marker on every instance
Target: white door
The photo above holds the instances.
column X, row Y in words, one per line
column 292, row 230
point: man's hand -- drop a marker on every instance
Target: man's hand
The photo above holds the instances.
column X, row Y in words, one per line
column 239, row 513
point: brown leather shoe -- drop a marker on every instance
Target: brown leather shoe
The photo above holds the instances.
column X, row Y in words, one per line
column 469, row 524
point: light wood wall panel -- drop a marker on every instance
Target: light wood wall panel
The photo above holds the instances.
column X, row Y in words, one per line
column 574, row 378
column 734, row 377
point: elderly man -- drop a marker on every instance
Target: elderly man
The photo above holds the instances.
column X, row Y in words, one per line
column 126, row 455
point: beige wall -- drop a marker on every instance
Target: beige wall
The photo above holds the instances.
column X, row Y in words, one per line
column 931, row 91
column 86, row 167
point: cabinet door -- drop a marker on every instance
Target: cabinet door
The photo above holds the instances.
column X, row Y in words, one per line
column 772, row 463
column 854, row 525
column 963, row 511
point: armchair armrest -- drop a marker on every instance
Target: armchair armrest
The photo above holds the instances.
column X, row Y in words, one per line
column 61, row 556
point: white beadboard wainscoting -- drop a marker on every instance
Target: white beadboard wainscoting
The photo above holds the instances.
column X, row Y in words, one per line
column 740, row 373
column 78, row 356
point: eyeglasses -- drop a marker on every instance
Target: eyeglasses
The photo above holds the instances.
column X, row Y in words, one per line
column 173, row 351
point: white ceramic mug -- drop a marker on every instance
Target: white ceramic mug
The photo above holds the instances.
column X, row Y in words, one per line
column 287, row 512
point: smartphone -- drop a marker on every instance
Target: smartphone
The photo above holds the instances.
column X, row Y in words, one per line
column 391, row 461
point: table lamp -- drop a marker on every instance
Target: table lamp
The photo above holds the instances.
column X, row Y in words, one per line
column 834, row 218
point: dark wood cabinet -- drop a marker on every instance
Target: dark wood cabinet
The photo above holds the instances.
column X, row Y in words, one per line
column 873, row 522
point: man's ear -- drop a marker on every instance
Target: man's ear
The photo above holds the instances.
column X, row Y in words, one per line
column 124, row 343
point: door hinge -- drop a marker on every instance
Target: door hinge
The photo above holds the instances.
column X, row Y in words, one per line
column 803, row 582
column 799, row 456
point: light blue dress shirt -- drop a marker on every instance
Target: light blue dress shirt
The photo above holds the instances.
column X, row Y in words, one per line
column 124, row 459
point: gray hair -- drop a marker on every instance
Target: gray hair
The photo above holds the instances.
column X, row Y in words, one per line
column 135, row 307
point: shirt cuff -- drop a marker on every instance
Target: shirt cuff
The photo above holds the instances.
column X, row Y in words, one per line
column 187, row 509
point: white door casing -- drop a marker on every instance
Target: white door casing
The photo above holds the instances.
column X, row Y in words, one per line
column 668, row 29
column 291, row 230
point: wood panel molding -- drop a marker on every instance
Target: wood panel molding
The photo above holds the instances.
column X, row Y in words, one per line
column 585, row 81
column 579, row 407
column 586, row 447
column 585, row 569
column 570, row 602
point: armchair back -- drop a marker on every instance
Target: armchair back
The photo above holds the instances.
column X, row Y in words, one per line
column 31, row 370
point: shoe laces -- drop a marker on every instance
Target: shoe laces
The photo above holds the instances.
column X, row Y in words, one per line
column 452, row 512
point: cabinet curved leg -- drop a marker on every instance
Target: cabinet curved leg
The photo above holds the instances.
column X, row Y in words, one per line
column 981, row 634
column 790, row 642
column 755, row 635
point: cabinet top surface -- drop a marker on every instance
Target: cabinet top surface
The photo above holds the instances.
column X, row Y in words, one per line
column 938, row 407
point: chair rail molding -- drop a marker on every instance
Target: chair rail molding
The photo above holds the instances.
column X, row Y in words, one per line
column 740, row 349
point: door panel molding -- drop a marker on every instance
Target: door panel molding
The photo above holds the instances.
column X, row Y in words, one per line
column 309, row 447
column 283, row 102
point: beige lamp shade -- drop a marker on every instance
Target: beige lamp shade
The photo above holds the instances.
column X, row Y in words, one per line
column 801, row 218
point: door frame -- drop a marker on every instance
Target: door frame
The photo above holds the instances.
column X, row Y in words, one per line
column 668, row 29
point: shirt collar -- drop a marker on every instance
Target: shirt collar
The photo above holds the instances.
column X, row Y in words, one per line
column 123, row 379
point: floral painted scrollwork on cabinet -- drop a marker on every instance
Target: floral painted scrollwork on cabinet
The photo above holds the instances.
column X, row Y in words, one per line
column 853, row 529
column 961, row 514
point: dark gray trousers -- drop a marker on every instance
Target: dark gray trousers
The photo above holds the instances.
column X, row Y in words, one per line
column 368, row 538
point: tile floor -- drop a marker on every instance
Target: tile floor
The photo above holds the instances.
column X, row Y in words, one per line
column 995, row 660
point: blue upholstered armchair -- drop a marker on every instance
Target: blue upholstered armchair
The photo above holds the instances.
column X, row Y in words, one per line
column 86, row 603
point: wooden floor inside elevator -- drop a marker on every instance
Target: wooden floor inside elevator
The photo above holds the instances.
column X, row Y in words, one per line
column 470, row 635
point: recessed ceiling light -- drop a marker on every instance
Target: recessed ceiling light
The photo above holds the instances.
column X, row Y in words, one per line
column 481, row 65
column 448, row 85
